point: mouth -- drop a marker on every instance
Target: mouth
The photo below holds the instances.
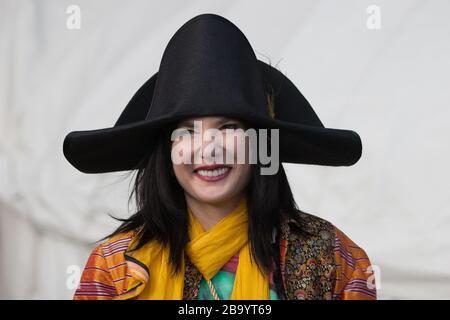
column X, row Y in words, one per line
column 212, row 173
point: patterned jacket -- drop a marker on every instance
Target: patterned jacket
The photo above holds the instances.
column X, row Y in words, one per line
column 317, row 261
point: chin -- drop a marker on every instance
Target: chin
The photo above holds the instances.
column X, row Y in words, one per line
column 213, row 198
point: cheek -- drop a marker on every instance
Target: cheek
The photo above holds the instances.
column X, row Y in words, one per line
column 238, row 149
column 181, row 157
column 183, row 173
column 241, row 175
column 182, row 152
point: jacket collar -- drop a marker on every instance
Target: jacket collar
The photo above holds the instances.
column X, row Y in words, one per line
column 307, row 223
column 138, row 260
column 138, row 271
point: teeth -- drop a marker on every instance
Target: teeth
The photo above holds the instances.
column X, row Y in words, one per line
column 213, row 173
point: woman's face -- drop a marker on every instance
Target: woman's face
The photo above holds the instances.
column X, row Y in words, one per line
column 202, row 174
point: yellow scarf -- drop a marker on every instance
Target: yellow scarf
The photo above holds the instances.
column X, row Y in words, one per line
column 209, row 251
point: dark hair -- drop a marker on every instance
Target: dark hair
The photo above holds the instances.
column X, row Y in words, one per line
column 162, row 214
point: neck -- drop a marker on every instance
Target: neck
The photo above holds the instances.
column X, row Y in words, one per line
column 208, row 214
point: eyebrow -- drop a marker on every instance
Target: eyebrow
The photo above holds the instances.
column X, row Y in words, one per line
column 190, row 122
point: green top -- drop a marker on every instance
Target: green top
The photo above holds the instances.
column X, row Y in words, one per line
column 223, row 283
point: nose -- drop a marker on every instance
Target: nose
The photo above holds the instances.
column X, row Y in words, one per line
column 209, row 148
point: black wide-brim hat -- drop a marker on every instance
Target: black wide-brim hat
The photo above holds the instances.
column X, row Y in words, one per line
column 210, row 69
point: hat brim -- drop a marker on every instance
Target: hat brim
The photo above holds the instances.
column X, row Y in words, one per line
column 122, row 147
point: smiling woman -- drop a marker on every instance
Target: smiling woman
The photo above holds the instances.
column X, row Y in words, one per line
column 217, row 184
column 211, row 226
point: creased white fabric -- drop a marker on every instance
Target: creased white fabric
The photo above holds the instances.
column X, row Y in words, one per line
column 389, row 85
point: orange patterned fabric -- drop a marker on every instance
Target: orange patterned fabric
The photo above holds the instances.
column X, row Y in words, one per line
column 105, row 273
column 110, row 274
column 354, row 276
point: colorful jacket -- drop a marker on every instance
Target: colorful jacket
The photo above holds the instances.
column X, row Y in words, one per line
column 317, row 261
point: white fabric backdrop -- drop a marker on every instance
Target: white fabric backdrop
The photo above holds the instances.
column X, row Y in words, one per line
column 390, row 85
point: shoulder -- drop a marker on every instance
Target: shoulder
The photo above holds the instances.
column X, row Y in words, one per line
column 353, row 275
column 309, row 227
column 106, row 269
column 111, row 251
column 116, row 245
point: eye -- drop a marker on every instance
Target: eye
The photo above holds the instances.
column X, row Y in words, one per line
column 230, row 126
column 184, row 131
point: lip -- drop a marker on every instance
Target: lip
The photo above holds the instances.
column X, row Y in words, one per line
column 211, row 167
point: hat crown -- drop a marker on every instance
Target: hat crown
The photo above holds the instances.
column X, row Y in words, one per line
column 208, row 68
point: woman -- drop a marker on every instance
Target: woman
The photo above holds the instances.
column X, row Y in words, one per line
column 207, row 227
